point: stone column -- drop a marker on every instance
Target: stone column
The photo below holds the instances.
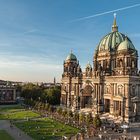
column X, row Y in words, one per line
column 101, row 97
column 138, row 90
column 75, row 89
column 69, row 91
column 127, row 102
column 115, row 89
column 98, row 99
column 121, row 108
column 96, row 96
column 76, row 94
column 111, row 101
column 81, row 102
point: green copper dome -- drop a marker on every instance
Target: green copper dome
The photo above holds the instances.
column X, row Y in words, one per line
column 111, row 41
column 126, row 45
column 71, row 56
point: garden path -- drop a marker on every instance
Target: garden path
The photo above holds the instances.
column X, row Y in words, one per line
column 16, row 133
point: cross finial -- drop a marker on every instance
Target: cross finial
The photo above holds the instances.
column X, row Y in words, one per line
column 114, row 26
column 115, row 15
column 115, row 19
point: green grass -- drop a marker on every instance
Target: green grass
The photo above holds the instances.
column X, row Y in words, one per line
column 21, row 115
column 46, row 128
column 5, row 136
column 16, row 113
column 10, row 108
column 2, row 117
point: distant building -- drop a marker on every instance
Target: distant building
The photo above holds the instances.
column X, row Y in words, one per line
column 7, row 92
column 50, row 85
column 113, row 83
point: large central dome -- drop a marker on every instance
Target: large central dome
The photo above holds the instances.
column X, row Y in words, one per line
column 111, row 41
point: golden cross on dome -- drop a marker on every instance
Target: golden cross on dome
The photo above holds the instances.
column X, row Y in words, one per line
column 114, row 26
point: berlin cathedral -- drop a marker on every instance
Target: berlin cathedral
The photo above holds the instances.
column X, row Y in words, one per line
column 111, row 85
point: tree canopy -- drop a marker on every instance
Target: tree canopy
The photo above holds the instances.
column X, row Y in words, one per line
column 37, row 93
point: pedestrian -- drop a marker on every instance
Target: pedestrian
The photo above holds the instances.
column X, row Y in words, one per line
column 19, row 134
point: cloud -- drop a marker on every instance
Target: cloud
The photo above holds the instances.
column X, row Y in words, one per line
column 31, row 31
column 29, row 69
column 107, row 12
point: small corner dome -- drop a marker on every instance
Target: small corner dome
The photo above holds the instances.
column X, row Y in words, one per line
column 72, row 57
column 126, row 45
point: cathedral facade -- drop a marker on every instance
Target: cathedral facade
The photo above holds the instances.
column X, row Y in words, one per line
column 111, row 85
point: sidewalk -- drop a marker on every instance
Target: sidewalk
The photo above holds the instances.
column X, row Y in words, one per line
column 14, row 132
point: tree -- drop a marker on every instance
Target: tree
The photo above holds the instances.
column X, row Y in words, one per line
column 89, row 118
column 97, row 121
column 70, row 113
column 51, row 109
column 64, row 113
column 76, row 116
column 59, row 111
column 53, row 96
column 31, row 93
column 47, row 106
column 81, row 117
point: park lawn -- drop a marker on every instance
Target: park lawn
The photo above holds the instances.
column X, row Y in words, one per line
column 16, row 112
column 19, row 115
column 5, row 136
column 22, row 115
column 2, row 116
column 10, row 108
column 47, row 129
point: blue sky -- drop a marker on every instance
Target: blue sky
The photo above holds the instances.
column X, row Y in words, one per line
column 37, row 35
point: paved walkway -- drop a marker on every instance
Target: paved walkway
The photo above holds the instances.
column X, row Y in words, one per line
column 15, row 132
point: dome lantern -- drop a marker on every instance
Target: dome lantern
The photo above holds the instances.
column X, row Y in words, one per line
column 114, row 26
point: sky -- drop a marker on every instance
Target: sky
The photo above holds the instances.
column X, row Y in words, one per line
column 37, row 35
